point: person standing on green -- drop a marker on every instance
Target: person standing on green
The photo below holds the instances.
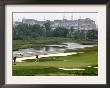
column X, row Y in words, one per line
column 36, row 58
column 14, row 60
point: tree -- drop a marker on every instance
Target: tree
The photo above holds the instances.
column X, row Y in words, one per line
column 48, row 28
column 60, row 32
column 25, row 31
column 92, row 34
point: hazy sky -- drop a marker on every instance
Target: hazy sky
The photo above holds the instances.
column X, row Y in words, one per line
column 54, row 16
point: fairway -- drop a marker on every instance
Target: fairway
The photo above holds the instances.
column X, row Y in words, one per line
column 50, row 65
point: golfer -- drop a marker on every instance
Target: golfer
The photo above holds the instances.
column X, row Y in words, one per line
column 36, row 58
column 14, row 60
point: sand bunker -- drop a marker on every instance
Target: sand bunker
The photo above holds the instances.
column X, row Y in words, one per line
column 48, row 55
column 71, row 69
column 89, row 66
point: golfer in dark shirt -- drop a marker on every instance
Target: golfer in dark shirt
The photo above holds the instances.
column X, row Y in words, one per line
column 36, row 58
column 14, row 59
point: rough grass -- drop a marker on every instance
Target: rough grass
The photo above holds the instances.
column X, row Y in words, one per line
column 48, row 71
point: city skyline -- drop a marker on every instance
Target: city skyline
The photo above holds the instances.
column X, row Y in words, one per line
column 54, row 16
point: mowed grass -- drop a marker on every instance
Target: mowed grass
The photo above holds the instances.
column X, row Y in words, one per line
column 50, row 65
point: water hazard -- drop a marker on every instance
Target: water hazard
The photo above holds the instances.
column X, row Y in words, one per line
column 48, row 49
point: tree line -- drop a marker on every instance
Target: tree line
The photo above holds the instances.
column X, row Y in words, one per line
column 23, row 30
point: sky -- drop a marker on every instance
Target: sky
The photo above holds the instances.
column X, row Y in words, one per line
column 53, row 16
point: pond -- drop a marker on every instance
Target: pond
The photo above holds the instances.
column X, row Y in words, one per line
column 48, row 49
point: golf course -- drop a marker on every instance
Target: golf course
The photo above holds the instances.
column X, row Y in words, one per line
column 55, row 47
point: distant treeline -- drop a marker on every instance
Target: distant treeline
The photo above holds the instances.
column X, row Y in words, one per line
column 22, row 31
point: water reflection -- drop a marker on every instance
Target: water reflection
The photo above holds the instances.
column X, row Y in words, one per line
column 49, row 49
